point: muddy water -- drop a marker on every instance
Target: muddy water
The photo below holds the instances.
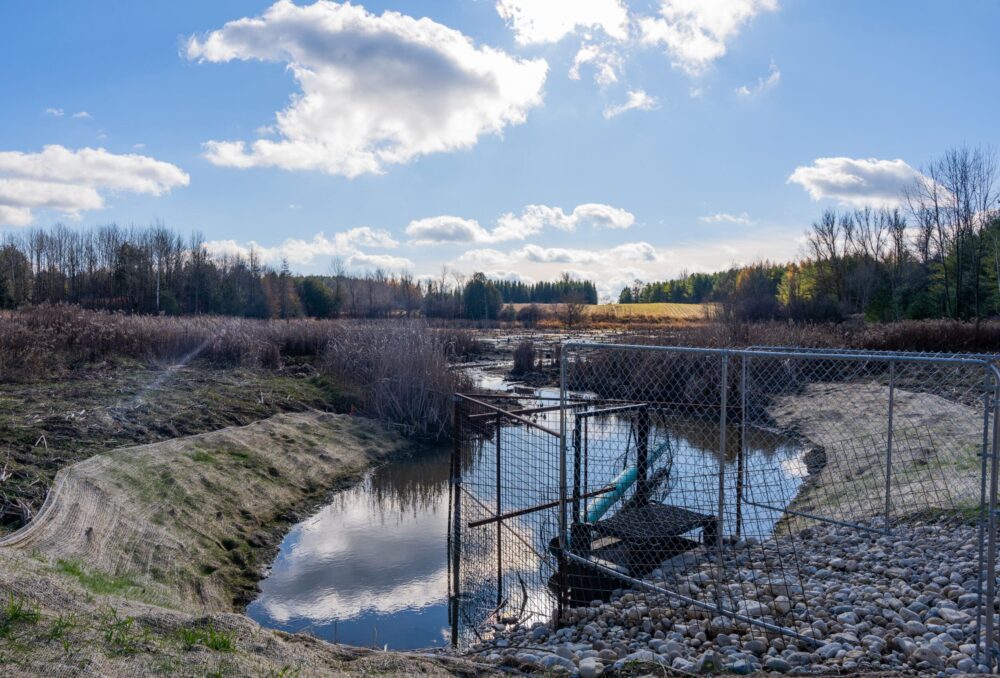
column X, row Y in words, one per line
column 370, row 568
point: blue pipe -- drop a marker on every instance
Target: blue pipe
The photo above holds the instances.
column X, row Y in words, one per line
column 599, row 506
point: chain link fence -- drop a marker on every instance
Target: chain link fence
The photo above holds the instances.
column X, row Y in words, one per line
column 800, row 498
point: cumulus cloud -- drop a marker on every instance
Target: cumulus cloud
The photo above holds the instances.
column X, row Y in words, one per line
column 613, row 268
column 71, row 181
column 695, row 33
column 606, row 62
column 763, row 84
column 724, row 217
column 376, row 90
column 444, row 229
column 855, row 181
column 546, row 21
column 383, row 261
column 532, row 220
column 637, row 100
column 83, row 115
column 638, row 251
column 55, row 112
column 303, row 252
column 605, row 266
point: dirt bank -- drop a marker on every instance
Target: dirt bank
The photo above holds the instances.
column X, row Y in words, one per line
column 54, row 421
column 935, row 450
column 140, row 555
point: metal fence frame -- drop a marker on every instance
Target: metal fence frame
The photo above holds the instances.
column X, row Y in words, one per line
column 567, row 437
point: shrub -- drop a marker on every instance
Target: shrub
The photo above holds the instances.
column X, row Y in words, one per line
column 524, row 358
column 399, row 376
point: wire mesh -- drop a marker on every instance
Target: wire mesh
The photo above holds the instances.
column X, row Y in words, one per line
column 738, row 494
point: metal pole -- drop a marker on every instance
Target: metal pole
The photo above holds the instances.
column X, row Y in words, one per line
column 456, row 530
column 982, row 643
column 499, row 509
column 888, row 446
column 991, row 559
column 577, row 445
column 642, row 456
column 720, row 520
column 562, row 487
column 740, row 460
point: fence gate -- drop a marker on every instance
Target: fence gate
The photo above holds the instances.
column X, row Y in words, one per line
column 765, row 492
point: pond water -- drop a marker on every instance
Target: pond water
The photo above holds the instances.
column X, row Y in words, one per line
column 371, row 567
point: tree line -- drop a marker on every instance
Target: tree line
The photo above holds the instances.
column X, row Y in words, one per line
column 935, row 255
column 546, row 292
column 155, row 270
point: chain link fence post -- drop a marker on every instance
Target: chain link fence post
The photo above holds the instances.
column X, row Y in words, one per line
column 888, row 448
column 723, row 407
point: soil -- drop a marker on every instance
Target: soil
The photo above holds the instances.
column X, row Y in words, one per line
column 54, row 421
column 936, row 463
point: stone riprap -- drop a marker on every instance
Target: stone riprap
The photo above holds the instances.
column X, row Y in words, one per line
column 860, row 602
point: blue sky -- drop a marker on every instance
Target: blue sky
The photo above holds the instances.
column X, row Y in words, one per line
column 731, row 97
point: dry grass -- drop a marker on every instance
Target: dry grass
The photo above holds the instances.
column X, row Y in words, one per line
column 651, row 312
column 396, row 371
column 399, row 376
column 617, row 314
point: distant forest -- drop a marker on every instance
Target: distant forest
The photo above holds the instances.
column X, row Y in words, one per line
column 156, row 270
column 936, row 256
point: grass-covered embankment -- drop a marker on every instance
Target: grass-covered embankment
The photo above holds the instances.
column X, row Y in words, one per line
column 142, row 556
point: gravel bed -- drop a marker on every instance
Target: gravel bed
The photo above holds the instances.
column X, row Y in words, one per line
column 861, row 601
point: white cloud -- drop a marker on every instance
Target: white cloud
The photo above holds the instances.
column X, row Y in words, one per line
column 605, row 266
column 638, row 251
column 546, row 21
column 720, row 217
column 512, row 276
column 695, row 32
column 637, row 100
column 304, row 252
column 55, row 112
column 855, row 181
column 485, row 258
column 383, row 261
column 15, row 216
column 606, row 62
column 613, row 268
column 532, row 220
column 445, row 229
column 376, row 90
column 83, row 115
column 71, row 182
column 763, row 84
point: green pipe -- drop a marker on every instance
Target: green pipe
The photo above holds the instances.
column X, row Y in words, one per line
column 599, row 506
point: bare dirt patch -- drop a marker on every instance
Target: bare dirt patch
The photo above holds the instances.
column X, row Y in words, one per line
column 54, row 421
column 935, row 450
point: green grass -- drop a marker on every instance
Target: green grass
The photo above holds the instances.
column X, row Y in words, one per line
column 220, row 641
column 61, row 625
column 123, row 635
column 96, row 582
column 16, row 611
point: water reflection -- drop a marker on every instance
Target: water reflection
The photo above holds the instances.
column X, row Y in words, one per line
column 369, row 568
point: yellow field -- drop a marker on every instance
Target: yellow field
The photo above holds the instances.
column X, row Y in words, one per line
column 658, row 311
